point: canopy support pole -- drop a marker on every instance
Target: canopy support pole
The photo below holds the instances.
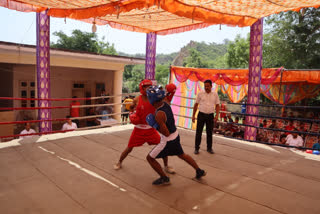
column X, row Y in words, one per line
column 151, row 56
column 43, row 70
column 255, row 66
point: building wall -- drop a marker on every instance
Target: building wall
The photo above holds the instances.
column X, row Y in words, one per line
column 62, row 82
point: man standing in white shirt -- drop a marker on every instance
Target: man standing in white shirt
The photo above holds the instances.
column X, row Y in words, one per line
column 69, row 125
column 27, row 130
column 208, row 102
column 294, row 139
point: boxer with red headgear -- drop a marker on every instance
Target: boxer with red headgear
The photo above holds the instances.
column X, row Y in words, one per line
column 142, row 132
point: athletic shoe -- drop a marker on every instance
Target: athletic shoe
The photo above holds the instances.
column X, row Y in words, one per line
column 196, row 151
column 117, row 166
column 162, row 181
column 200, row 173
column 169, row 169
column 210, row 151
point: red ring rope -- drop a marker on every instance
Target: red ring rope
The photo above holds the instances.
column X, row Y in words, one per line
column 42, row 133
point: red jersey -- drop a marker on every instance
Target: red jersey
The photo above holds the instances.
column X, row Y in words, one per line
column 143, row 109
column 74, row 112
column 289, row 128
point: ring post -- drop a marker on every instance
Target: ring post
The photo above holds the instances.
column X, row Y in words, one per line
column 255, row 66
column 43, row 70
column 151, row 56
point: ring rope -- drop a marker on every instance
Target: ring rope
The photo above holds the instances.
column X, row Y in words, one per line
column 252, row 141
column 58, row 107
column 276, row 117
column 279, row 130
column 65, row 99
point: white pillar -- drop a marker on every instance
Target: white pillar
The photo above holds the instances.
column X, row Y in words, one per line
column 117, row 89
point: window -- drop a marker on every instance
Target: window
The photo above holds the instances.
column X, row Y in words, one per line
column 78, row 85
column 27, row 90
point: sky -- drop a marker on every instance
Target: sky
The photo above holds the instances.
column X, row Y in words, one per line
column 19, row 27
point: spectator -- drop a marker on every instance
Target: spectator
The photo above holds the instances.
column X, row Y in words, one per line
column 294, row 139
column 289, row 127
column 223, row 110
column 92, row 121
column 291, row 115
column 282, row 139
column 106, row 110
column 262, row 133
column 103, row 94
column 27, row 130
column 232, row 127
column 127, row 101
column 69, row 125
column 316, row 146
column 221, row 126
column 273, row 124
column 75, row 112
column 302, row 128
column 273, row 135
column 243, row 108
column 239, row 133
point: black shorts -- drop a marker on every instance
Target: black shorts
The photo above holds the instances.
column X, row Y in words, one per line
column 167, row 148
column 125, row 115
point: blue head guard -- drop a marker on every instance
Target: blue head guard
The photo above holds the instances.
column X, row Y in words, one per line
column 155, row 94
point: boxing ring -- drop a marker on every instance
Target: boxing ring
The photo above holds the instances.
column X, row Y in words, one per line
column 73, row 172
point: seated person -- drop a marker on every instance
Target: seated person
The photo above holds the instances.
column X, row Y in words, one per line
column 106, row 110
column 273, row 124
column 221, row 126
column 316, row 146
column 302, row 128
column 240, row 132
column 273, row 135
column 294, row 139
column 99, row 109
column 92, row 121
column 289, row 127
column 263, row 124
column 69, row 125
column 27, row 130
column 282, row 139
column 262, row 133
column 232, row 127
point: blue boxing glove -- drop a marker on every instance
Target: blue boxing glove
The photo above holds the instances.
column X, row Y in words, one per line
column 151, row 120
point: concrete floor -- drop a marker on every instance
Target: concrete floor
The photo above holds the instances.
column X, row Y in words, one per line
column 74, row 174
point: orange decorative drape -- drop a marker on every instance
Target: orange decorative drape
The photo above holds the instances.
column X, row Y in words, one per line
column 295, row 84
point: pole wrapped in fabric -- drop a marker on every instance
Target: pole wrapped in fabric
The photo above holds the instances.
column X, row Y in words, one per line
column 43, row 70
column 151, row 56
column 255, row 66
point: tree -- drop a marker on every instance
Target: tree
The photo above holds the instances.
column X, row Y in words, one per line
column 295, row 38
column 195, row 60
column 83, row 41
column 162, row 74
column 133, row 76
column 238, row 52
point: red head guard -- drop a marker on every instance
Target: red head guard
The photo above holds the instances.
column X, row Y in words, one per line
column 171, row 89
column 144, row 83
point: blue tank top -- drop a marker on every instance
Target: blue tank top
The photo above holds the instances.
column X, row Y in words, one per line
column 170, row 123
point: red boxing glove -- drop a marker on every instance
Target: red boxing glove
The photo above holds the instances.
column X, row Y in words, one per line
column 134, row 118
column 171, row 90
